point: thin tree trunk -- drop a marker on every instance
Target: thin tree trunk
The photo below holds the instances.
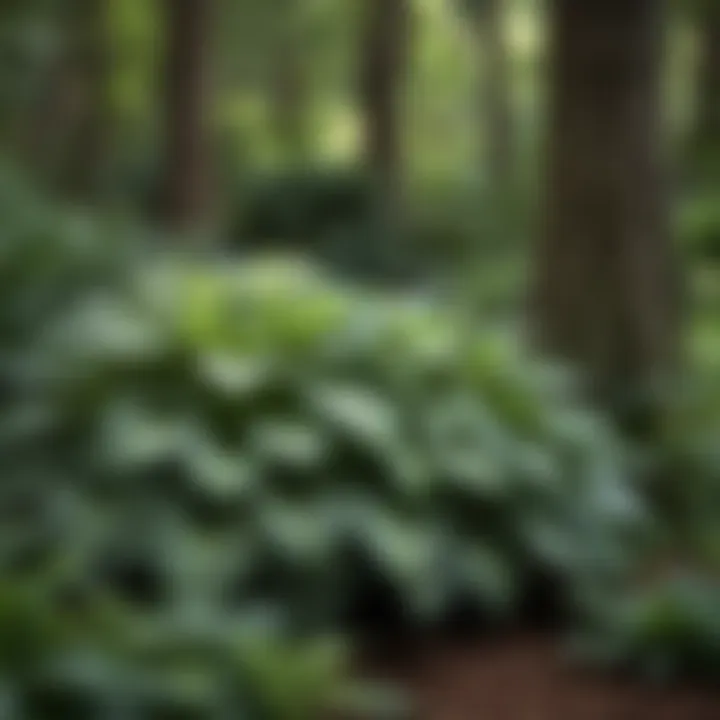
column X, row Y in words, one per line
column 185, row 190
column 706, row 137
column 290, row 85
column 48, row 125
column 383, row 70
column 494, row 93
column 90, row 65
column 607, row 295
column 62, row 125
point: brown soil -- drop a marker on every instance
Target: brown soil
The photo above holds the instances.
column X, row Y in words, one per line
column 527, row 679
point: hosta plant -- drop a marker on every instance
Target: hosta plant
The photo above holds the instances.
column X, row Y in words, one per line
column 261, row 433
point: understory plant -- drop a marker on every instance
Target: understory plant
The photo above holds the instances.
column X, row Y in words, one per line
column 662, row 630
column 208, row 466
column 304, row 444
column 195, row 450
column 102, row 660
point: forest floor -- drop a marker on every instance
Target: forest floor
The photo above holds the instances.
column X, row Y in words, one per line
column 525, row 678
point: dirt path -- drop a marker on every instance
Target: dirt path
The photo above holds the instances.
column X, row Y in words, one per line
column 525, row 679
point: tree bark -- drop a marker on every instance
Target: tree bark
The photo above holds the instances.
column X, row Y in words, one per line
column 90, row 65
column 494, row 93
column 62, row 127
column 607, row 293
column 383, row 70
column 185, row 189
column 706, row 137
column 290, row 85
column 49, row 120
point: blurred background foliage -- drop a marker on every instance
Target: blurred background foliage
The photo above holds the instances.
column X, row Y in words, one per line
column 267, row 380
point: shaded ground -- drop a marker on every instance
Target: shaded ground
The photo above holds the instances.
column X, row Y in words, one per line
column 526, row 679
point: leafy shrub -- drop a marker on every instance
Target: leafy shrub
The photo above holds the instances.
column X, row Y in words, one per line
column 333, row 215
column 684, row 468
column 89, row 663
column 669, row 628
column 303, row 207
column 50, row 256
column 190, row 443
column 664, row 624
column 69, row 648
column 339, row 216
column 310, row 445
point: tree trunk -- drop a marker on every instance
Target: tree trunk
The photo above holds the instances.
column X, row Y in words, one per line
column 90, row 67
column 706, row 137
column 607, row 295
column 62, row 124
column 51, row 116
column 289, row 91
column 383, row 69
column 185, row 191
column 494, row 94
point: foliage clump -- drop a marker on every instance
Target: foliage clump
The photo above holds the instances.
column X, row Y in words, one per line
column 317, row 441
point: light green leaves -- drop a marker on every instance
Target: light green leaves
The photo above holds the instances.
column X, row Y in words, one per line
column 359, row 412
column 235, row 376
column 223, row 474
column 132, row 436
column 292, row 444
column 279, row 389
column 102, row 329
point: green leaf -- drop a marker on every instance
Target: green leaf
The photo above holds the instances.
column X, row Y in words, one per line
column 132, row 436
column 302, row 533
column 225, row 474
column 360, row 412
column 291, row 443
column 235, row 376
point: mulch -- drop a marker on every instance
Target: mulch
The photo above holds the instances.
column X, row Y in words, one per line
column 526, row 678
